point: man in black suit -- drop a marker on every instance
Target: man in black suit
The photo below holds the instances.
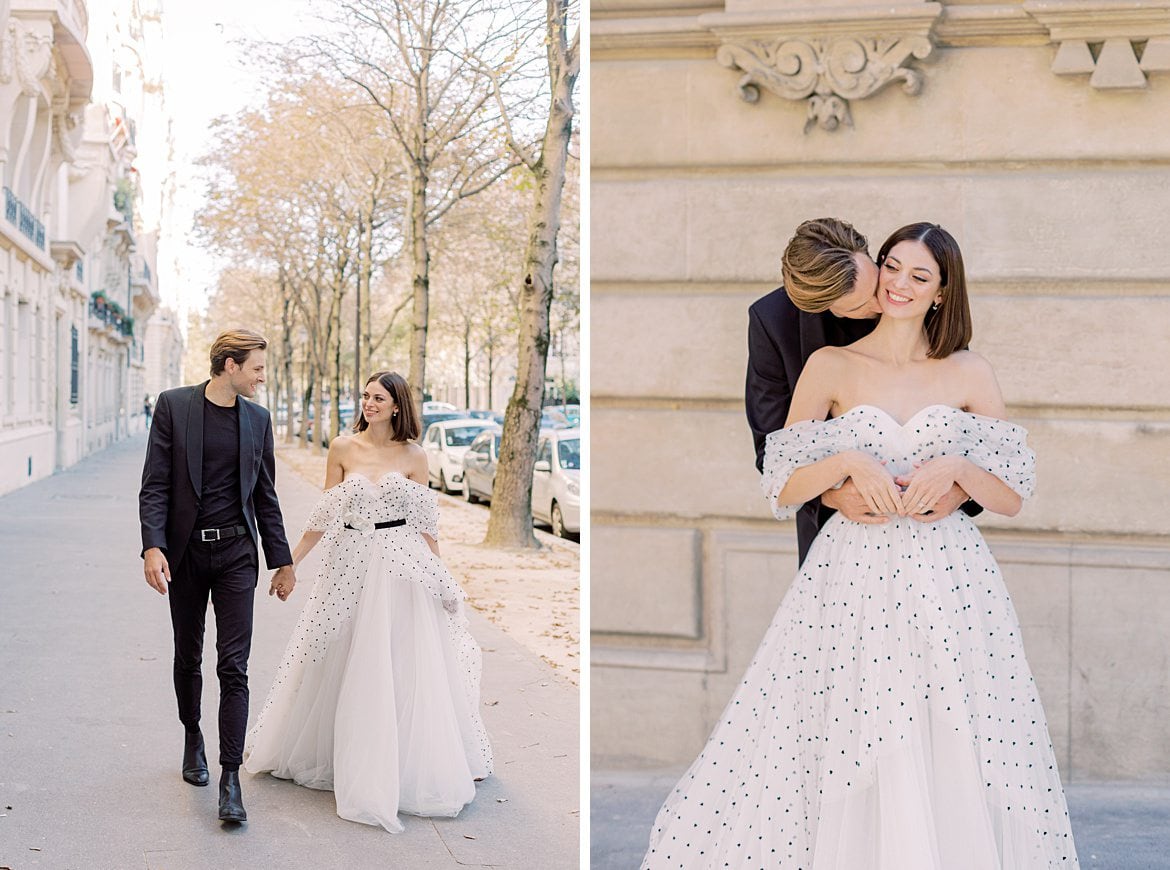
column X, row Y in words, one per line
column 207, row 484
column 828, row 298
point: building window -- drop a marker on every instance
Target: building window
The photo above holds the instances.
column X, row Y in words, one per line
column 74, row 357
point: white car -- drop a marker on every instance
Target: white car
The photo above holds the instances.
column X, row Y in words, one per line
column 556, row 481
column 431, row 407
column 445, row 442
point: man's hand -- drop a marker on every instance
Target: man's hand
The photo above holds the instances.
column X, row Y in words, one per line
column 921, row 486
column 283, row 582
column 848, row 500
column 156, row 569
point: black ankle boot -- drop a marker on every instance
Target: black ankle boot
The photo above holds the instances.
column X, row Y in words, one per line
column 231, row 800
column 195, row 759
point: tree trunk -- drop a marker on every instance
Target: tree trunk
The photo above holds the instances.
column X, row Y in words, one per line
column 357, row 309
column 510, row 523
column 467, row 363
column 286, row 342
column 421, row 262
column 307, row 399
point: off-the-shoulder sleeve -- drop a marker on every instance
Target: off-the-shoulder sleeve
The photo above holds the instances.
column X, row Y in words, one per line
column 422, row 511
column 1002, row 449
column 326, row 513
column 800, row 444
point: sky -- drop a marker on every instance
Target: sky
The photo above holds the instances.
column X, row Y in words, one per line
column 205, row 74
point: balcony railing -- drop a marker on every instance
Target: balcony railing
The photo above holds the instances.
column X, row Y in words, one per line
column 21, row 216
column 111, row 314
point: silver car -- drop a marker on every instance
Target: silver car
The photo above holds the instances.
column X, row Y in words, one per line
column 445, row 442
column 479, row 465
column 556, row 481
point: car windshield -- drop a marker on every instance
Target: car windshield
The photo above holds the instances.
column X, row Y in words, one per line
column 569, row 453
column 462, row 436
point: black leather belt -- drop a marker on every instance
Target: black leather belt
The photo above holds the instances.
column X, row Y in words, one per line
column 389, row 524
column 206, row 535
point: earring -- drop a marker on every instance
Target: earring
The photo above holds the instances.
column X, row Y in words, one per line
column 934, row 307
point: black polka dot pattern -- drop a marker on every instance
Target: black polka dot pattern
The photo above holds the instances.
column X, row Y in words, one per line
column 889, row 719
column 386, row 581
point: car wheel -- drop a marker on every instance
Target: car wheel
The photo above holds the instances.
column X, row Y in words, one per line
column 471, row 499
column 443, row 482
column 557, row 521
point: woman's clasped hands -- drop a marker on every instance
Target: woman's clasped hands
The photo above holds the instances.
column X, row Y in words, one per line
column 928, row 493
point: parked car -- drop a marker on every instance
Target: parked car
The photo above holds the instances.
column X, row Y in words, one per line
column 429, row 407
column 556, row 481
column 430, row 417
column 479, row 465
column 572, row 413
column 550, row 418
column 496, row 417
column 445, row 442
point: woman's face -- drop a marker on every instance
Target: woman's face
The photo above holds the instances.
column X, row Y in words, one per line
column 377, row 403
column 909, row 282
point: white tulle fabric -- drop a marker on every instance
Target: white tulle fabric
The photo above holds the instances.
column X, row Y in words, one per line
column 377, row 695
column 889, row 720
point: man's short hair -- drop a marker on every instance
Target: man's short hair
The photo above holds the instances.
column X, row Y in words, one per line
column 818, row 265
column 236, row 344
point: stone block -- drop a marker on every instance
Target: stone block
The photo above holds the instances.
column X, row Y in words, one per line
column 673, row 463
column 1022, row 335
column 647, row 718
column 645, row 581
column 1156, row 57
column 958, row 117
column 639, row 230
column 733, row 228
column 1073, row 58
column 1117, row 67
column 684, row 345
column 1120, row 692
column 1096, row 476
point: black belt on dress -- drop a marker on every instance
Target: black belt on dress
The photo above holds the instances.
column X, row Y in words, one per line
column 206, row 535
column 388, row 524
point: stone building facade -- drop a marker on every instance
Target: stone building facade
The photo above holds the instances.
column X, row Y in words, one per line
column 76, row 278
column 1038, row 133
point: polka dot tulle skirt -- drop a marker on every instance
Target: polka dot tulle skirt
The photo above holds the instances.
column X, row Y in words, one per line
column 889, row 720
column 377, row 695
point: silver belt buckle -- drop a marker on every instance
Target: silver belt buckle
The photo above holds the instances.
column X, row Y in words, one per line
column 203, row 535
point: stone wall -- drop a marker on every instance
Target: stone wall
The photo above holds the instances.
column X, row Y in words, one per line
column 1039, row 135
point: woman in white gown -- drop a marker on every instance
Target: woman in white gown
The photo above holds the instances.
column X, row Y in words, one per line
column 377, row 695
column 889, row 720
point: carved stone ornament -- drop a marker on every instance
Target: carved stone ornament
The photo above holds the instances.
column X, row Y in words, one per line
column 827, row 73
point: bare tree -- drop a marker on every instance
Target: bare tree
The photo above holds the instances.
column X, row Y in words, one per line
column 418, row 61
column 510, row 524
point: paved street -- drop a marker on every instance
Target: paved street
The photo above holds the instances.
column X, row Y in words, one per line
column 1117, row 827
column 90, row 744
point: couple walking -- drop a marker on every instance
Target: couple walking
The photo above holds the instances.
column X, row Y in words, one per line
column 889, row 720
column 377, row 695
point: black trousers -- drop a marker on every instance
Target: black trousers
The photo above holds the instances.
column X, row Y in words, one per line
column 226, row 571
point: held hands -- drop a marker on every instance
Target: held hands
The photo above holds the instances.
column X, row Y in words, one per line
column 932, row 489
column 156, row 569
column 283, row 582
column 871, row 494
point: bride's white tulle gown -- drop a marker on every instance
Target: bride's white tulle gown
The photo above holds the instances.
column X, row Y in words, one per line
column 889, row 720
column 377, row 695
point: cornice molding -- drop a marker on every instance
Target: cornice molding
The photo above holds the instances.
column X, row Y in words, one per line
column 829, row 55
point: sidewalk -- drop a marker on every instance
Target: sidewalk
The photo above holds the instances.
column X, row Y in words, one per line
column 90, row 744
column 1116, row 826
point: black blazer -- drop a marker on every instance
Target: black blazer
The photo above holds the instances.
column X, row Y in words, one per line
column 172, row 476
column 781, row 338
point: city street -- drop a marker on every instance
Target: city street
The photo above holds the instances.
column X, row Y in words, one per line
column 90, row 744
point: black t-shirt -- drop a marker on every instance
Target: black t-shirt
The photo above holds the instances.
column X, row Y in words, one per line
column 219, row 501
